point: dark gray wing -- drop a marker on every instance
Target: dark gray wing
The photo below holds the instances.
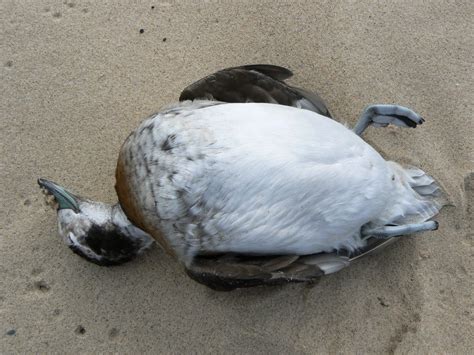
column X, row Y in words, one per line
column 254, row 83
column 230, row 271
column 312, row 101
column 273, row 71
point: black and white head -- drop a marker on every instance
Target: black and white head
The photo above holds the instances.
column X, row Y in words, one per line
column 98, row 232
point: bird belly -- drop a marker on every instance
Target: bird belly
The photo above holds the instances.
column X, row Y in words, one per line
column 253, row 178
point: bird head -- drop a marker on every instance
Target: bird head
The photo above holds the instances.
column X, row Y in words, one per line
column 99, row 232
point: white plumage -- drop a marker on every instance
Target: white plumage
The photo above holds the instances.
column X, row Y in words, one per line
column 260, row 178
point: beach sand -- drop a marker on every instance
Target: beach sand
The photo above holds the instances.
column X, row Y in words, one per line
column 78, row 76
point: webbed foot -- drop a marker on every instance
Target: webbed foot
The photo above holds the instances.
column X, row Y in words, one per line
column 386, row 232
column 383, row 115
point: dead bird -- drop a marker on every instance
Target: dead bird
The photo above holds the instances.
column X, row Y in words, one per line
column 248, row 181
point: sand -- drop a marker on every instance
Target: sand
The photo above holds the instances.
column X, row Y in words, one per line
column 78, row 76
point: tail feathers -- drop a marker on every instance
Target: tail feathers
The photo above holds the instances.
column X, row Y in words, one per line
column 417, row 196
column 422, row 183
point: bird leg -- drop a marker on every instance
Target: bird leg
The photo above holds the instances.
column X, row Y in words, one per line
column 383, row 115
column 386, row 232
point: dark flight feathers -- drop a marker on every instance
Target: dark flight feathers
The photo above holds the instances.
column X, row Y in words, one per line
column 230, row 271
column 254, row 83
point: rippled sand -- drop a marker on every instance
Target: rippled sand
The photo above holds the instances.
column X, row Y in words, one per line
column 77, row 77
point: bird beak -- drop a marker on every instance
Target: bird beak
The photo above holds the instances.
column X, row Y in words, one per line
column 64, row 198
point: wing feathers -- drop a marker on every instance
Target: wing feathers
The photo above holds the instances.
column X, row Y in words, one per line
column 273, row 71
column 230, row 271
column 254, row 83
